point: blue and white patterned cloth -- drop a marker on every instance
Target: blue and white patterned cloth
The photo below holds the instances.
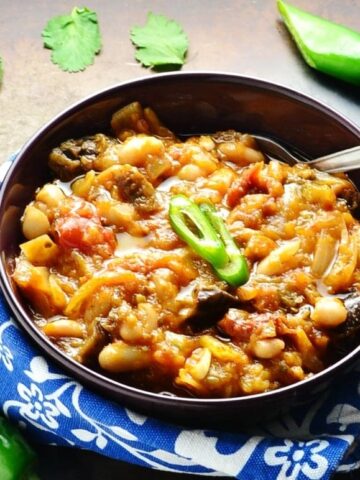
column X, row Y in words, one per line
column 53, row 408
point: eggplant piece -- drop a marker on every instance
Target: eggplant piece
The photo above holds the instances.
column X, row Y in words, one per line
column 352, row 198
column 347, row 335
column 227, row 136
column 75, row 156
column 130, row 117
column 93, row 345
column 134, row 188
column 211, row 306
column 133, row 118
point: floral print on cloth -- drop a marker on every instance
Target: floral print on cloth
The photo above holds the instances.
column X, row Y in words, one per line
column 309, row 443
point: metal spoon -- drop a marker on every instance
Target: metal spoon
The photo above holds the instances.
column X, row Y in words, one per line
column 342, row 161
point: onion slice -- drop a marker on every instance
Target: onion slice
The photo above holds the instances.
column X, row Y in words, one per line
column 324, row 255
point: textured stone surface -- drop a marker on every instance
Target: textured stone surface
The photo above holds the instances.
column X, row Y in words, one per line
column 242, row 36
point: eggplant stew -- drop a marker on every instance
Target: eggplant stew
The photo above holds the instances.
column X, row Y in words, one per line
column 193, row 266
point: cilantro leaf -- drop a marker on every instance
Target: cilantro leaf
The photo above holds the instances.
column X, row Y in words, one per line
column 74, row 39
column 160, row 42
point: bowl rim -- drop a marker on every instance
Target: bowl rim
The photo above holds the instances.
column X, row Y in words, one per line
column 96, row 379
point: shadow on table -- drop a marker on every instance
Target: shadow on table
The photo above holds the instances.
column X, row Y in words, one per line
column 57, row 463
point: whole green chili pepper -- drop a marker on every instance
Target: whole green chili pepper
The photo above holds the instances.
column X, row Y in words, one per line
column 236, row 271
column 325, row 46
column 16, row 457
column 204, row 240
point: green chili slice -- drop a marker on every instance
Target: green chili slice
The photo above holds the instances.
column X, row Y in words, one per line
column 192, row 226
column 236, row 270
column 326, row 46
column 204, row 230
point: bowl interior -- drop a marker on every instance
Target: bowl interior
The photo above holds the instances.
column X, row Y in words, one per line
column 186, row 103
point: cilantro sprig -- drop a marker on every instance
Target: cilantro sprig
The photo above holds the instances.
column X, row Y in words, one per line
column 74, row 39
column 160, row 42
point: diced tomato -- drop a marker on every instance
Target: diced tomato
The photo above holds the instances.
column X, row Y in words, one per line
column 77, row 207
column 86, row 234
column 237, row 325
column 242, row 184
column 255, row 177
column 240, row 325
column 71, row 231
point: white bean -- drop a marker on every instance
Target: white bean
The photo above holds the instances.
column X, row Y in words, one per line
column 136, row 150
column 268, row 348
column 329, row 312
column 63, row 328
column 35, row 223
column 190, row 172
column 50, row 194
column 120, row 357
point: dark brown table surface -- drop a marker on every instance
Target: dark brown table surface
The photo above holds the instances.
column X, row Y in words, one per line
column 241, row 36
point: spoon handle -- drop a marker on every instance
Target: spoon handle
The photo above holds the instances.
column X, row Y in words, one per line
column 275, row 150
column 342, row 161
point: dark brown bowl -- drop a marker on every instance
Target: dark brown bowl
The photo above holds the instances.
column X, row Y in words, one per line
column 187, row 103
